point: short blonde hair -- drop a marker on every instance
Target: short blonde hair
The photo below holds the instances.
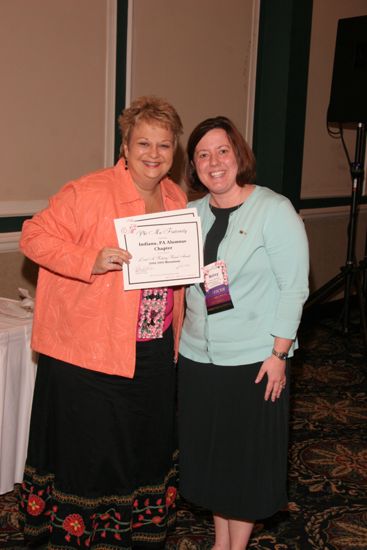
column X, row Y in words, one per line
column 149, row 109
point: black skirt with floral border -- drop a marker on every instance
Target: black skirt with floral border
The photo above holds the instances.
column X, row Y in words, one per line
column 101, row 469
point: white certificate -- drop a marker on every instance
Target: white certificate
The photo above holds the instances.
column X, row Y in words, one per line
column 166, row 249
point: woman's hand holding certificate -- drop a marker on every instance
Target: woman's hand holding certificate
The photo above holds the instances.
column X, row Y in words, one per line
column 166, row 248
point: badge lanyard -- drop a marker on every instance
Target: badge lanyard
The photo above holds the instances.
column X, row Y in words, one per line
column 217, row 296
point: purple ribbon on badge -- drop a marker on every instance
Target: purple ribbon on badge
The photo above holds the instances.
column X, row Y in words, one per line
column 218, row 298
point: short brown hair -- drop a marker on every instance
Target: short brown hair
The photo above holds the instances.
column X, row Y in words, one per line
column 148, row 109
column 244, row 155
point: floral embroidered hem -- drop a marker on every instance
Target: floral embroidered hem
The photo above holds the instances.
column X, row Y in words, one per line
column 114, row 521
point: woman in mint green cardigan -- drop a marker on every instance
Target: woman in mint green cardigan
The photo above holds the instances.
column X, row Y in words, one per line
column 239, row 331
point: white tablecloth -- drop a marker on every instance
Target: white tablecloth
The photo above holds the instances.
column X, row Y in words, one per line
column 17, row 376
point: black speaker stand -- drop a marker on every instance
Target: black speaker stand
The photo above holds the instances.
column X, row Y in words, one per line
column 352, row 275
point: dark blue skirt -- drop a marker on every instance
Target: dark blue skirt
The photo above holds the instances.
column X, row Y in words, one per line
column 101, row 468
column 233, row 444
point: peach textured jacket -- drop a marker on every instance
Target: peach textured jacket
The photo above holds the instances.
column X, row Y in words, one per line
column 84, row 319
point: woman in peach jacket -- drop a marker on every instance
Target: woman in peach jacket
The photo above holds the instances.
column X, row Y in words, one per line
column 101, row 465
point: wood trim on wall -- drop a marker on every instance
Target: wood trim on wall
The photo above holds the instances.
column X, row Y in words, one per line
column 21, row 208
column 129, row 51
column 13, row 214
column 327, row 212
column 9, row 242
column 328, row 202
column 250, row 105
column 110, row 84
column 121, row 65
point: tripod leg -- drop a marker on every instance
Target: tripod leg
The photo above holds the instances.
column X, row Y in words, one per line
column 327, row 290
column 349, row 277
column 363, row 265
column 362, row 307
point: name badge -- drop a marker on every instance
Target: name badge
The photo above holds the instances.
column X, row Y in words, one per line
column 217, row 296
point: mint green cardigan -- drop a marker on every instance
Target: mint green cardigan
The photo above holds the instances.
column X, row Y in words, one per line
column 266, row 252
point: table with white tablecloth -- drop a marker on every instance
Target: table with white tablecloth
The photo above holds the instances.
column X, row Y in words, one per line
column 17, row 377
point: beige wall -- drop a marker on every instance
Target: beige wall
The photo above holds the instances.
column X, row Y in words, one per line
column 55, row 107
column 52, row 94
column 200, row 55
column 325, row 167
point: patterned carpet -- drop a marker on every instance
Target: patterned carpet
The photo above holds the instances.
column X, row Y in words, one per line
column 327, row 456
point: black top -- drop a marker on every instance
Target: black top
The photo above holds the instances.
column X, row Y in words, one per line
column 216, row 232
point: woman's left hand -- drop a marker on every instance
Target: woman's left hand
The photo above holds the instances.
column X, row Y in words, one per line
column 275, row 370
